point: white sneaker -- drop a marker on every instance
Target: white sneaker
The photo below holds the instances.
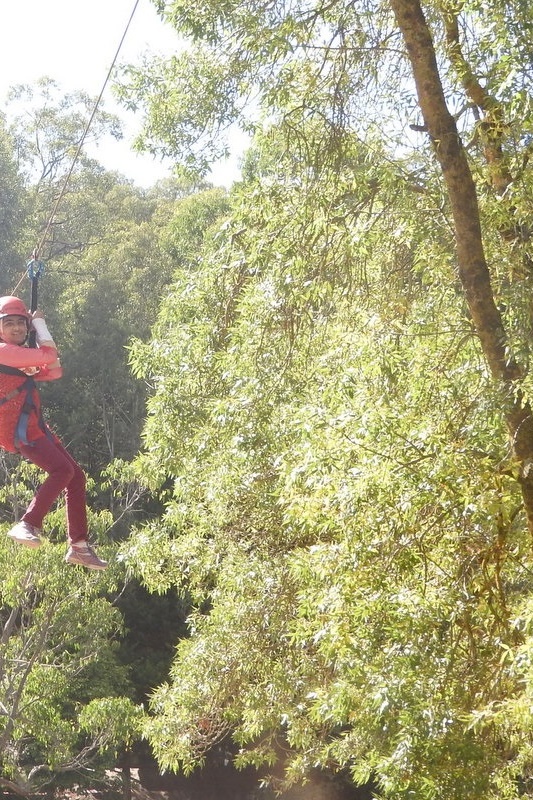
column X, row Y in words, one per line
column 25, row 534
column 84, row 555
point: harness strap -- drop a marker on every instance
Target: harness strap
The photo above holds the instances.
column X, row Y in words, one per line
column 10, row 395
column 21, row 431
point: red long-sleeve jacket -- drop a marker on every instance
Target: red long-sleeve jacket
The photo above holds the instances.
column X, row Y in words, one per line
column 35, row 362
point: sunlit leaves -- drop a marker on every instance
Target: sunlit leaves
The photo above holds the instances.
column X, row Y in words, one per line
column 340, row 474
column 342, row 503
column 57, row 632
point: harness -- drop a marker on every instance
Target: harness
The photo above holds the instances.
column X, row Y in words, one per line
column 28, row 387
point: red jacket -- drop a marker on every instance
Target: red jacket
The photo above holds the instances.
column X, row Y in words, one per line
column 35, row 362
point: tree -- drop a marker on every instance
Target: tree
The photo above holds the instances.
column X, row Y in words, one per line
column 12, row 205
column 472, row 264
column 345, row 511
column 59, row 671
column 67, row 711
column 49, row 129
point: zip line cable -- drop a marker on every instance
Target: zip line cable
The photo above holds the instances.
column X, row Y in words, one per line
column 34, row 267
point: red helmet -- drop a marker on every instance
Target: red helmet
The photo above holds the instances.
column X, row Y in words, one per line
column 10, row 306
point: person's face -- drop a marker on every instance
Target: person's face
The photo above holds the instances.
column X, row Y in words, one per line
column 13, row 329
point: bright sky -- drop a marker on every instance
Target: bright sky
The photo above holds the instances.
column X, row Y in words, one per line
column 74, row 42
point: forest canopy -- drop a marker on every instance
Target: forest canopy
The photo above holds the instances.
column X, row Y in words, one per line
column 304, row 406
column 344, row 410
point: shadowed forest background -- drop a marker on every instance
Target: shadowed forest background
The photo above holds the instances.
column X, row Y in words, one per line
column 303, row 405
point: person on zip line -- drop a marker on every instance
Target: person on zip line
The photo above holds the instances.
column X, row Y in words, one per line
column 23, row 430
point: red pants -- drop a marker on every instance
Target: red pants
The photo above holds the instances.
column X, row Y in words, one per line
column 63, row 474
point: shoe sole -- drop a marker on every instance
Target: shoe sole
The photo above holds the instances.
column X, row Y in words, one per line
column 34, row 543
column 77, row 563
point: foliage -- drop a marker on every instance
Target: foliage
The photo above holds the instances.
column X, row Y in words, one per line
column 196, row 218
column 345, row 509
column 12, row 205
column 57, row 635
column 67, row 706
column 48, row 126
column 341, row 501
column 111, row 722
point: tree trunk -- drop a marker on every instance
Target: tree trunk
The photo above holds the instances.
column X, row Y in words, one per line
column 473, row 270
column 126, row 783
